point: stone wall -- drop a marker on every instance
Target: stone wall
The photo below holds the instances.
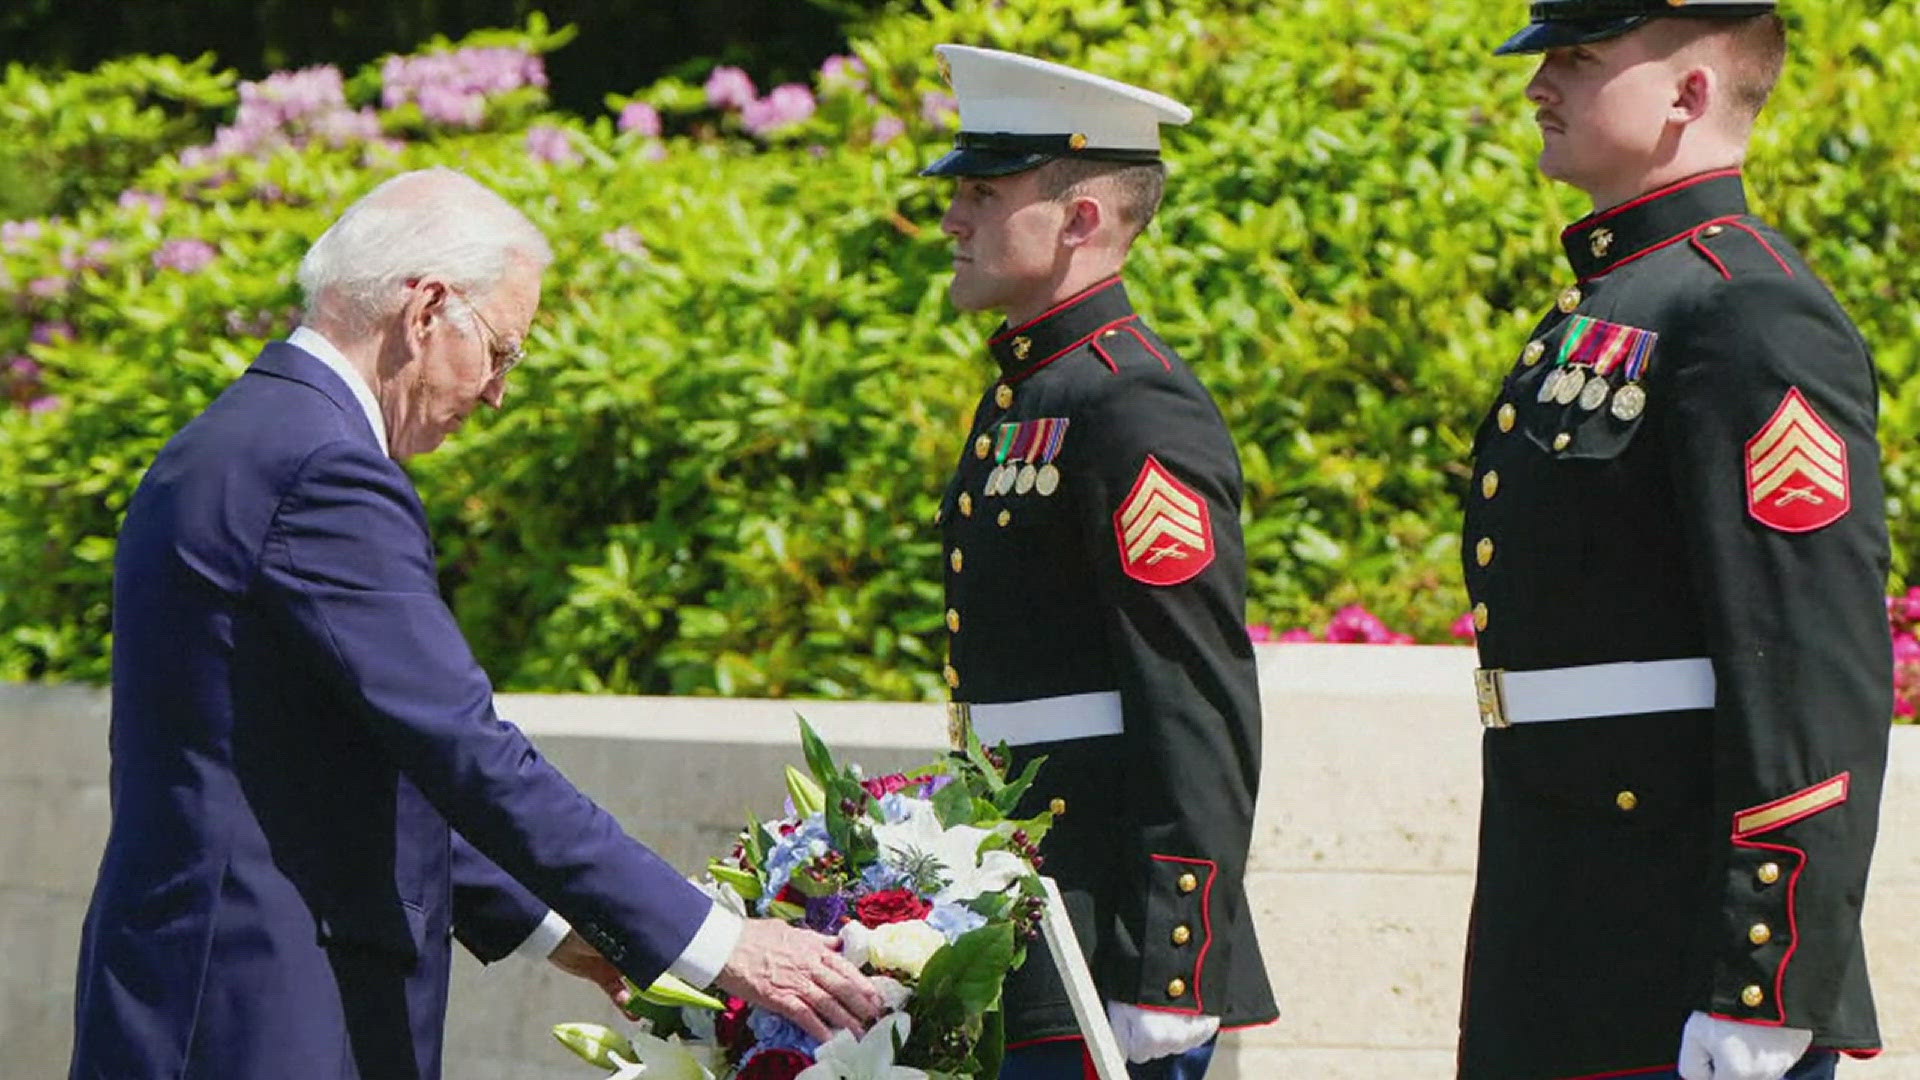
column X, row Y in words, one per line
column 1361, row 868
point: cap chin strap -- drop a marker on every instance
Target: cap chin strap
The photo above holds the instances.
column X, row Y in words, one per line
column 1051, row 145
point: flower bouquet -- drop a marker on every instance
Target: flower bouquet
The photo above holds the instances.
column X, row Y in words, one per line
column 932, row 890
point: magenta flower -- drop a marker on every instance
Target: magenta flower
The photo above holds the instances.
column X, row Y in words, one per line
column 886, row 129
column 1462, row 629
column 550, row 144
column 641, row 117
column 186, row 256
column 44, row 404
column 838, row 72
column 1354, row 624
column 1298, row 636
column 451, row 87
column 730, row 88
column 23, row 369
column 1259, row 633
column 788, row 104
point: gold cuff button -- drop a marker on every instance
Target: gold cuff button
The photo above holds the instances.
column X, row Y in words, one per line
column 1562, row 440
column 1753, row 997
column 954, row 560
column 1508, row 414
column 1006, row 517
column 1535, row 350
column 982, row 446
column 966, row 504
column 1483, row 551
column 1626, row 800
column 953, row 676
column 1177, row 988
column 953, row 620
column 1480, row 616
column 1057, row 807
column 1768, row 873
column 1570, row 299
column 1759, row 933
column 1182, row 935
column 1489, row 486
column 1003, row 395
column 1187, row 883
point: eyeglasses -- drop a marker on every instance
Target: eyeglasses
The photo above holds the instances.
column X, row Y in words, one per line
column 501, row 361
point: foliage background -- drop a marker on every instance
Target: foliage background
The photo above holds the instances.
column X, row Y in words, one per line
column 717, row 474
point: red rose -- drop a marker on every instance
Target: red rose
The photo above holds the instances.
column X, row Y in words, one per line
column 882, row 786
column 890, row 906
column 775, row 1065
column 790, row 895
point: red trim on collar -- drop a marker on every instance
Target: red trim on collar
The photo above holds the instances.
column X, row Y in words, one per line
column 1024, row 373
column 1657, row 193
column 1055, row 309
column 1755, row 233
column 1669, row 242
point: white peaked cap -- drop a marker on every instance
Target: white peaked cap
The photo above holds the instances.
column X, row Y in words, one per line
column 1018, row 112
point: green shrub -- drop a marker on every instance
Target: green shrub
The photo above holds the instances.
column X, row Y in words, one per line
column 718, row 472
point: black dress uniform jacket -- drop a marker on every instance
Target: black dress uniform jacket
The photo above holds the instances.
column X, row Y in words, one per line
column 1636, row 868
column 1151, row 829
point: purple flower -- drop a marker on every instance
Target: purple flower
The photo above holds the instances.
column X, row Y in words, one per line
column 937, row 108
column 550, row 144
column 51, row 333
column 843, row 71
column 186, row 256
column 730, row 88
column 142, row 201
column 23, row 369
column 624, row 240
column 93, row 257
column 44, row 404
column 826, row 913
column 641, row 117
column 931, row 785
column 47, row 288
column 788, row 104
column 451, row 87
column 886, row 129
column 15, row 234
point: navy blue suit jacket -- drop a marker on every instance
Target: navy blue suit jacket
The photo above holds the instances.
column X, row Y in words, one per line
column 303, row 748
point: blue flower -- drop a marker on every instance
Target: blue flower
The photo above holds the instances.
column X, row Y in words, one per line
column 771, row 1031
column 954, row 919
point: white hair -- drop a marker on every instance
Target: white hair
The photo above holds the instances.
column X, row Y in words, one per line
column 435, row 222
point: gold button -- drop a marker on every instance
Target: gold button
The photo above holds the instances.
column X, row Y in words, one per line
column 1021, row 346
column 1562, row 440
column 1570, row 299
column 1753, row 997
column 1187, row 883
column 1508, row 414
column 1182, row 935
column 953, row 620
column 1535, row 350
column 954, row 560
column 1003, row 396
column 1177, row 988
column 1005, row 517
column 1626, row 800
column 1057, row 807
column 1479, row 616
column 953, row 676
column 982, row 446
column 1077, row 141
column 1768, row 873
column 1713, row 230
column 966, row 504
column 1759, row 933
column 1483, row 551
column 1489, row 487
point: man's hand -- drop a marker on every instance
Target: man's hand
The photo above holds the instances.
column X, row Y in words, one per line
column 575, row 957
column 798, row 974
column 1716, row 1049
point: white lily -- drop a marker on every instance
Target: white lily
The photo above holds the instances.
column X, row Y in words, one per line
column 957, row 850
column 871, row 1058
column 666, row 1059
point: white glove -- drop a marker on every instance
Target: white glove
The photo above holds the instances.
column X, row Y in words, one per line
column 1145, row 1034
column 1716, row 1049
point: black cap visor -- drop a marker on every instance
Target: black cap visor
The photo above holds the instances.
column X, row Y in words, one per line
column 1560, row 33
column 977, row 161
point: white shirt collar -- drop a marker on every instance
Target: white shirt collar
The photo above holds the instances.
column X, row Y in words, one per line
column 321, row 349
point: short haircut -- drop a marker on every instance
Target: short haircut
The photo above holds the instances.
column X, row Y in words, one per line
column 1753, row 51
column 1135, row 187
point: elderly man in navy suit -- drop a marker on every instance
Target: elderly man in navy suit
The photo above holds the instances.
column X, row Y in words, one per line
column 311, row 790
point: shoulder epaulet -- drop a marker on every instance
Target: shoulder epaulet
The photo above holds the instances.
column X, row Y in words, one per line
column 1125, row 344
column 1735, row 247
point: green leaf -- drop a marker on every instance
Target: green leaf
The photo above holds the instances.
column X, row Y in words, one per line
column 963, row 979
column 819, row 758
column 953, row 805
column 745, row 883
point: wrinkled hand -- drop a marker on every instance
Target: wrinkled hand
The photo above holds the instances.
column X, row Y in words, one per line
column 575, row 957
column 1716, row 1049
column 800, row 975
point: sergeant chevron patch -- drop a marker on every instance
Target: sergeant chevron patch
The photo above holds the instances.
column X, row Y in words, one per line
column 1797, row 477
column 1164, row 528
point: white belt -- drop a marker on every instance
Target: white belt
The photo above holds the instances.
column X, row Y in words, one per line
column 1574, row 693
column 1040, row 720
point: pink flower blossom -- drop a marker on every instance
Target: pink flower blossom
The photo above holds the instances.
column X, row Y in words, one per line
column 788, row 104
column 640, row 117
column 143, row 202
column 1259, row 633
column 1462, row 629
column 848, row 72
column 186, row 256
column 47, row 288
column 451, row 88
column 1354, row 624
column 1297, row 636
column 14, row 235
column 51, row 333
column 93, row 257
column 886, row 129
column 45, row 404
column 938, row 108
column 624, row 240
column 551, row 145
column 1906, row 649
column 23, row 369
column 730, row 88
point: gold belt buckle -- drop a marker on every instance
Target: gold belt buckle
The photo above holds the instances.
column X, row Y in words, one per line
column 959, row 723
column 1490, row 687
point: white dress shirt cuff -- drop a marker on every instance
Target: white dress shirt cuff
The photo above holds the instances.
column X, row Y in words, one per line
column 700, row 962
column 545, row 938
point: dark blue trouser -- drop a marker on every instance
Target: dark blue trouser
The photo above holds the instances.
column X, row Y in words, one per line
column 1067, row 1060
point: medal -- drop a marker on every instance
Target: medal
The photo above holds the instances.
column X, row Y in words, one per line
column 1007, row 474
column 1028, row 474
column 1595, row 394
column 992, row 486
column 1629, row 403
column 1572, row 381
column 1549, row 386
column 1048, row 480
